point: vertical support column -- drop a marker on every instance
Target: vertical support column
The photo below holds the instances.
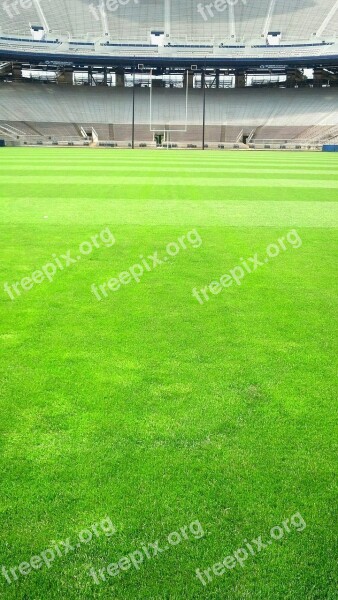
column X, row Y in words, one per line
column 167, row 19
column 294, row 76
column 189, row 79
column 119, row 78
column 318, row 77
column 231, row 16
column 240, row 79
column 65, row 76
column 204, row 106
column 17, row 71
column 104, row 20
column 133, row 114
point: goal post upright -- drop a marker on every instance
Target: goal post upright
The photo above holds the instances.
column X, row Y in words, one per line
column 133, row 113
column 152, row 126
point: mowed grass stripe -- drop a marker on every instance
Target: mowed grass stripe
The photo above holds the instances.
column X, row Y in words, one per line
column 173, row 181
column 199, row 161
column 328, row 163
column 14, row 192
column 24, row 169
column 176, row 213
column 185, row 156
column 46, row 151
column 193, row 166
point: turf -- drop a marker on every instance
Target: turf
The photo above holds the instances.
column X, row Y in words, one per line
column 155, row 410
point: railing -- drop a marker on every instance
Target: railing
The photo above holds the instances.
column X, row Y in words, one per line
column 289, row 141
column 84, row 134
column 175, row 45
column 251, row 134
column 240, row 137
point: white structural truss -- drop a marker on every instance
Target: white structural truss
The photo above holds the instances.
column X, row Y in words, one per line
column 327, row 20
column 267, row 24
column 41, row 14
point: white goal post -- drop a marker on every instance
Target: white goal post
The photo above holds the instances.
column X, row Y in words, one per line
column 151, row 124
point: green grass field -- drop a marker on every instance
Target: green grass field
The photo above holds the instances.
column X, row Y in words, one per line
column 145, row 408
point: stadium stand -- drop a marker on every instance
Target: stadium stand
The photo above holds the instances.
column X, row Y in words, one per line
column 247, row 21
column 162, row 29
column 199, row 43
column 70, row 113
column 188, row 21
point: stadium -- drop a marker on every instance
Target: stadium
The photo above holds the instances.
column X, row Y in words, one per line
column 168, row 219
